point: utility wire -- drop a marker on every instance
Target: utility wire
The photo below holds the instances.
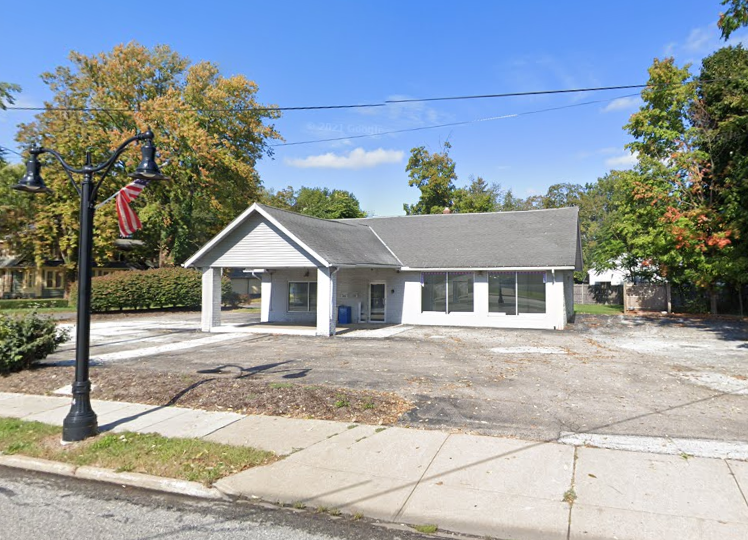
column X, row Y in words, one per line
column 515, row 94
column 452, row 124
column 328, row 107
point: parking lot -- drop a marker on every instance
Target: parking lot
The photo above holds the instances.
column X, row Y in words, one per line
column 654, row 376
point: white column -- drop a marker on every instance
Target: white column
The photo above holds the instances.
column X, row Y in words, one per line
column 326, row 316
column 555, row 299
column 266, row 296
column 480, row 294
column 211, row 305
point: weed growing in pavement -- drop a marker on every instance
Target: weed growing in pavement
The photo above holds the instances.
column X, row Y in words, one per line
column 570, row 496
column 428, row 528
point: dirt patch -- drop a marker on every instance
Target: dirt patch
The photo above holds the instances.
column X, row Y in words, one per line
column 218, row 392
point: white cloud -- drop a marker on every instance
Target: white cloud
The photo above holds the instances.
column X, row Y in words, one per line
column 626, row 161
column 701, row 42
column 356, row 159
column 623, row 104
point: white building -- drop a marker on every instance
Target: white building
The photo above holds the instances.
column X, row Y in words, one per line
column 500, row 270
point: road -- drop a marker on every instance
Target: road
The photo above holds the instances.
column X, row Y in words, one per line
column 35, row 506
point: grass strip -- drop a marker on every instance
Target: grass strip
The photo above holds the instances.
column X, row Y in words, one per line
column 598, row 309
column 148, row 453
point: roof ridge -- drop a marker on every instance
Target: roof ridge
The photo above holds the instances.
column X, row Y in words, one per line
column 326, row 220
column 464, row 213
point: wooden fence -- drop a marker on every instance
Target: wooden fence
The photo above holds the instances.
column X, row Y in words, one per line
column 600, row 293
column 647, row 297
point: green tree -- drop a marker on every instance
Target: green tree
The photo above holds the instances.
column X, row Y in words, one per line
column 16, row 212
column 478, row 196
column 6, row 98
column 209, row 129
column 735, row 17
column 669, row 212
column 318, row 202
column 563, row 195
column 434, row 174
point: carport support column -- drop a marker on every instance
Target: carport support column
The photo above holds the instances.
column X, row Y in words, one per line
column 211, row 306
column 326, row 286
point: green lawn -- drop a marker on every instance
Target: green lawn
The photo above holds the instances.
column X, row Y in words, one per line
column 187, row 459
column 598, row 309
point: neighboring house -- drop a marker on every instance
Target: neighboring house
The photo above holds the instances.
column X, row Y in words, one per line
column 501, row 270
column 23, row 279
column 610, row 277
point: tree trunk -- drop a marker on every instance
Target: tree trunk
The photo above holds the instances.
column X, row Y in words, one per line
column 713, row 301
column 740, row 298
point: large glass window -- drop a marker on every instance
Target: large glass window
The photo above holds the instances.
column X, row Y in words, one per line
column 302, row 296
column 516, row 293
column 447, row 292
column 531, row 292
column 502, row 296
column 434, row 291
column 460, row 287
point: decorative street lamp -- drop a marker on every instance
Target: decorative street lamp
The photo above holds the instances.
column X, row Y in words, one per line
column 81, row 422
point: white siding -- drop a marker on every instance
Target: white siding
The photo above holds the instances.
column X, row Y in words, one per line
column 277, row 285
column 553, row 318
column 353, row 291
column 257, row 243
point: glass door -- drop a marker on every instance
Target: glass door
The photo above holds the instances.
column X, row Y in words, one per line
column 376, row 302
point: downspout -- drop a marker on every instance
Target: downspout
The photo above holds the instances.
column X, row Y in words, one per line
column 333, row 293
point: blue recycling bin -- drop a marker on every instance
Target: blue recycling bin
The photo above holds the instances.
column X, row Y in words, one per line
column 344, row 314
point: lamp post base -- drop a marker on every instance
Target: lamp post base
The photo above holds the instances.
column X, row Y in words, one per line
column 81, row 422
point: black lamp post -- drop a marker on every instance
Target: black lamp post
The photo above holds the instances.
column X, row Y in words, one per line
column 81, row 422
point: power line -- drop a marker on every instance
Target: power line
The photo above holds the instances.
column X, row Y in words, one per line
column 452, row 124
column 329, row 107
column 516, row 94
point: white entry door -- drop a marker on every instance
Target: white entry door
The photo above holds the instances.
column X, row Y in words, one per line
column 377, row 302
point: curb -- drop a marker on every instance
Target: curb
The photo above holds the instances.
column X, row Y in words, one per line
column 137, row 480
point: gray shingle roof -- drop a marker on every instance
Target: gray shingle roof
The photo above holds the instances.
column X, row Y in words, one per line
column 533, row 238
column 338, row 242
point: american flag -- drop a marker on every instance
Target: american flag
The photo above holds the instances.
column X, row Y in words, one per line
column 128, row 219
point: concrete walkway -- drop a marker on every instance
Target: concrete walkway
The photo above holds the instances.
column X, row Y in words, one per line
column 502, row 488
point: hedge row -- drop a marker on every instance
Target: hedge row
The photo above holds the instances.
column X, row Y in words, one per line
column 28, row 303
column 26, row 340
column 146, row 289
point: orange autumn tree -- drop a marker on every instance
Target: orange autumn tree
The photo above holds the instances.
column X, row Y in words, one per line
column 210, row 131
column 671, row 212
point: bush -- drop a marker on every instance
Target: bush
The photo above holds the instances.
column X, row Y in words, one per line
column 28, row 339
column 33, row 303
column 145, row 289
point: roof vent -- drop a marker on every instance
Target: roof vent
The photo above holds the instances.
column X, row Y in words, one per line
column 446, row 210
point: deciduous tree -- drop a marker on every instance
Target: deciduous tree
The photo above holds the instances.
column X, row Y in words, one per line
column 210, row 131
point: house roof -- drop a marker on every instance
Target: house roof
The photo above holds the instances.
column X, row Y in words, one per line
column 527, row 239
column 338, row 242
column 532, row 238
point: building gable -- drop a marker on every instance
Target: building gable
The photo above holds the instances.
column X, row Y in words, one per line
column 256, row 243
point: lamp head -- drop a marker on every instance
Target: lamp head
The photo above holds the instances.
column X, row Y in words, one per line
column 148, row 170
column 32, row 181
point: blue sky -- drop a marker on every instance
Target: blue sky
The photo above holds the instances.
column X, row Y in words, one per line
column 314, row 53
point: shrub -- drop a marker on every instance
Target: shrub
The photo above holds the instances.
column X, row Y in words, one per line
column 28, row 339
column 144, row 289
column 33, row 302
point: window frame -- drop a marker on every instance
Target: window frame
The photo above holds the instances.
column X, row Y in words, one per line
column 446, row 291
column 517, row 312
column 309, row 307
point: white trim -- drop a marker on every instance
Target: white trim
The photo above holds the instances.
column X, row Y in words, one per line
column 384, row 314
column 238, row 221
column 492, row 269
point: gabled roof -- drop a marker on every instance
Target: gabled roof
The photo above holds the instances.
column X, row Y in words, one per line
column 338, row 242
column 528, row 239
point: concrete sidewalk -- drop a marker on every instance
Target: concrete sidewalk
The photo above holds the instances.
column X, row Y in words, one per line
column 502, row 488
